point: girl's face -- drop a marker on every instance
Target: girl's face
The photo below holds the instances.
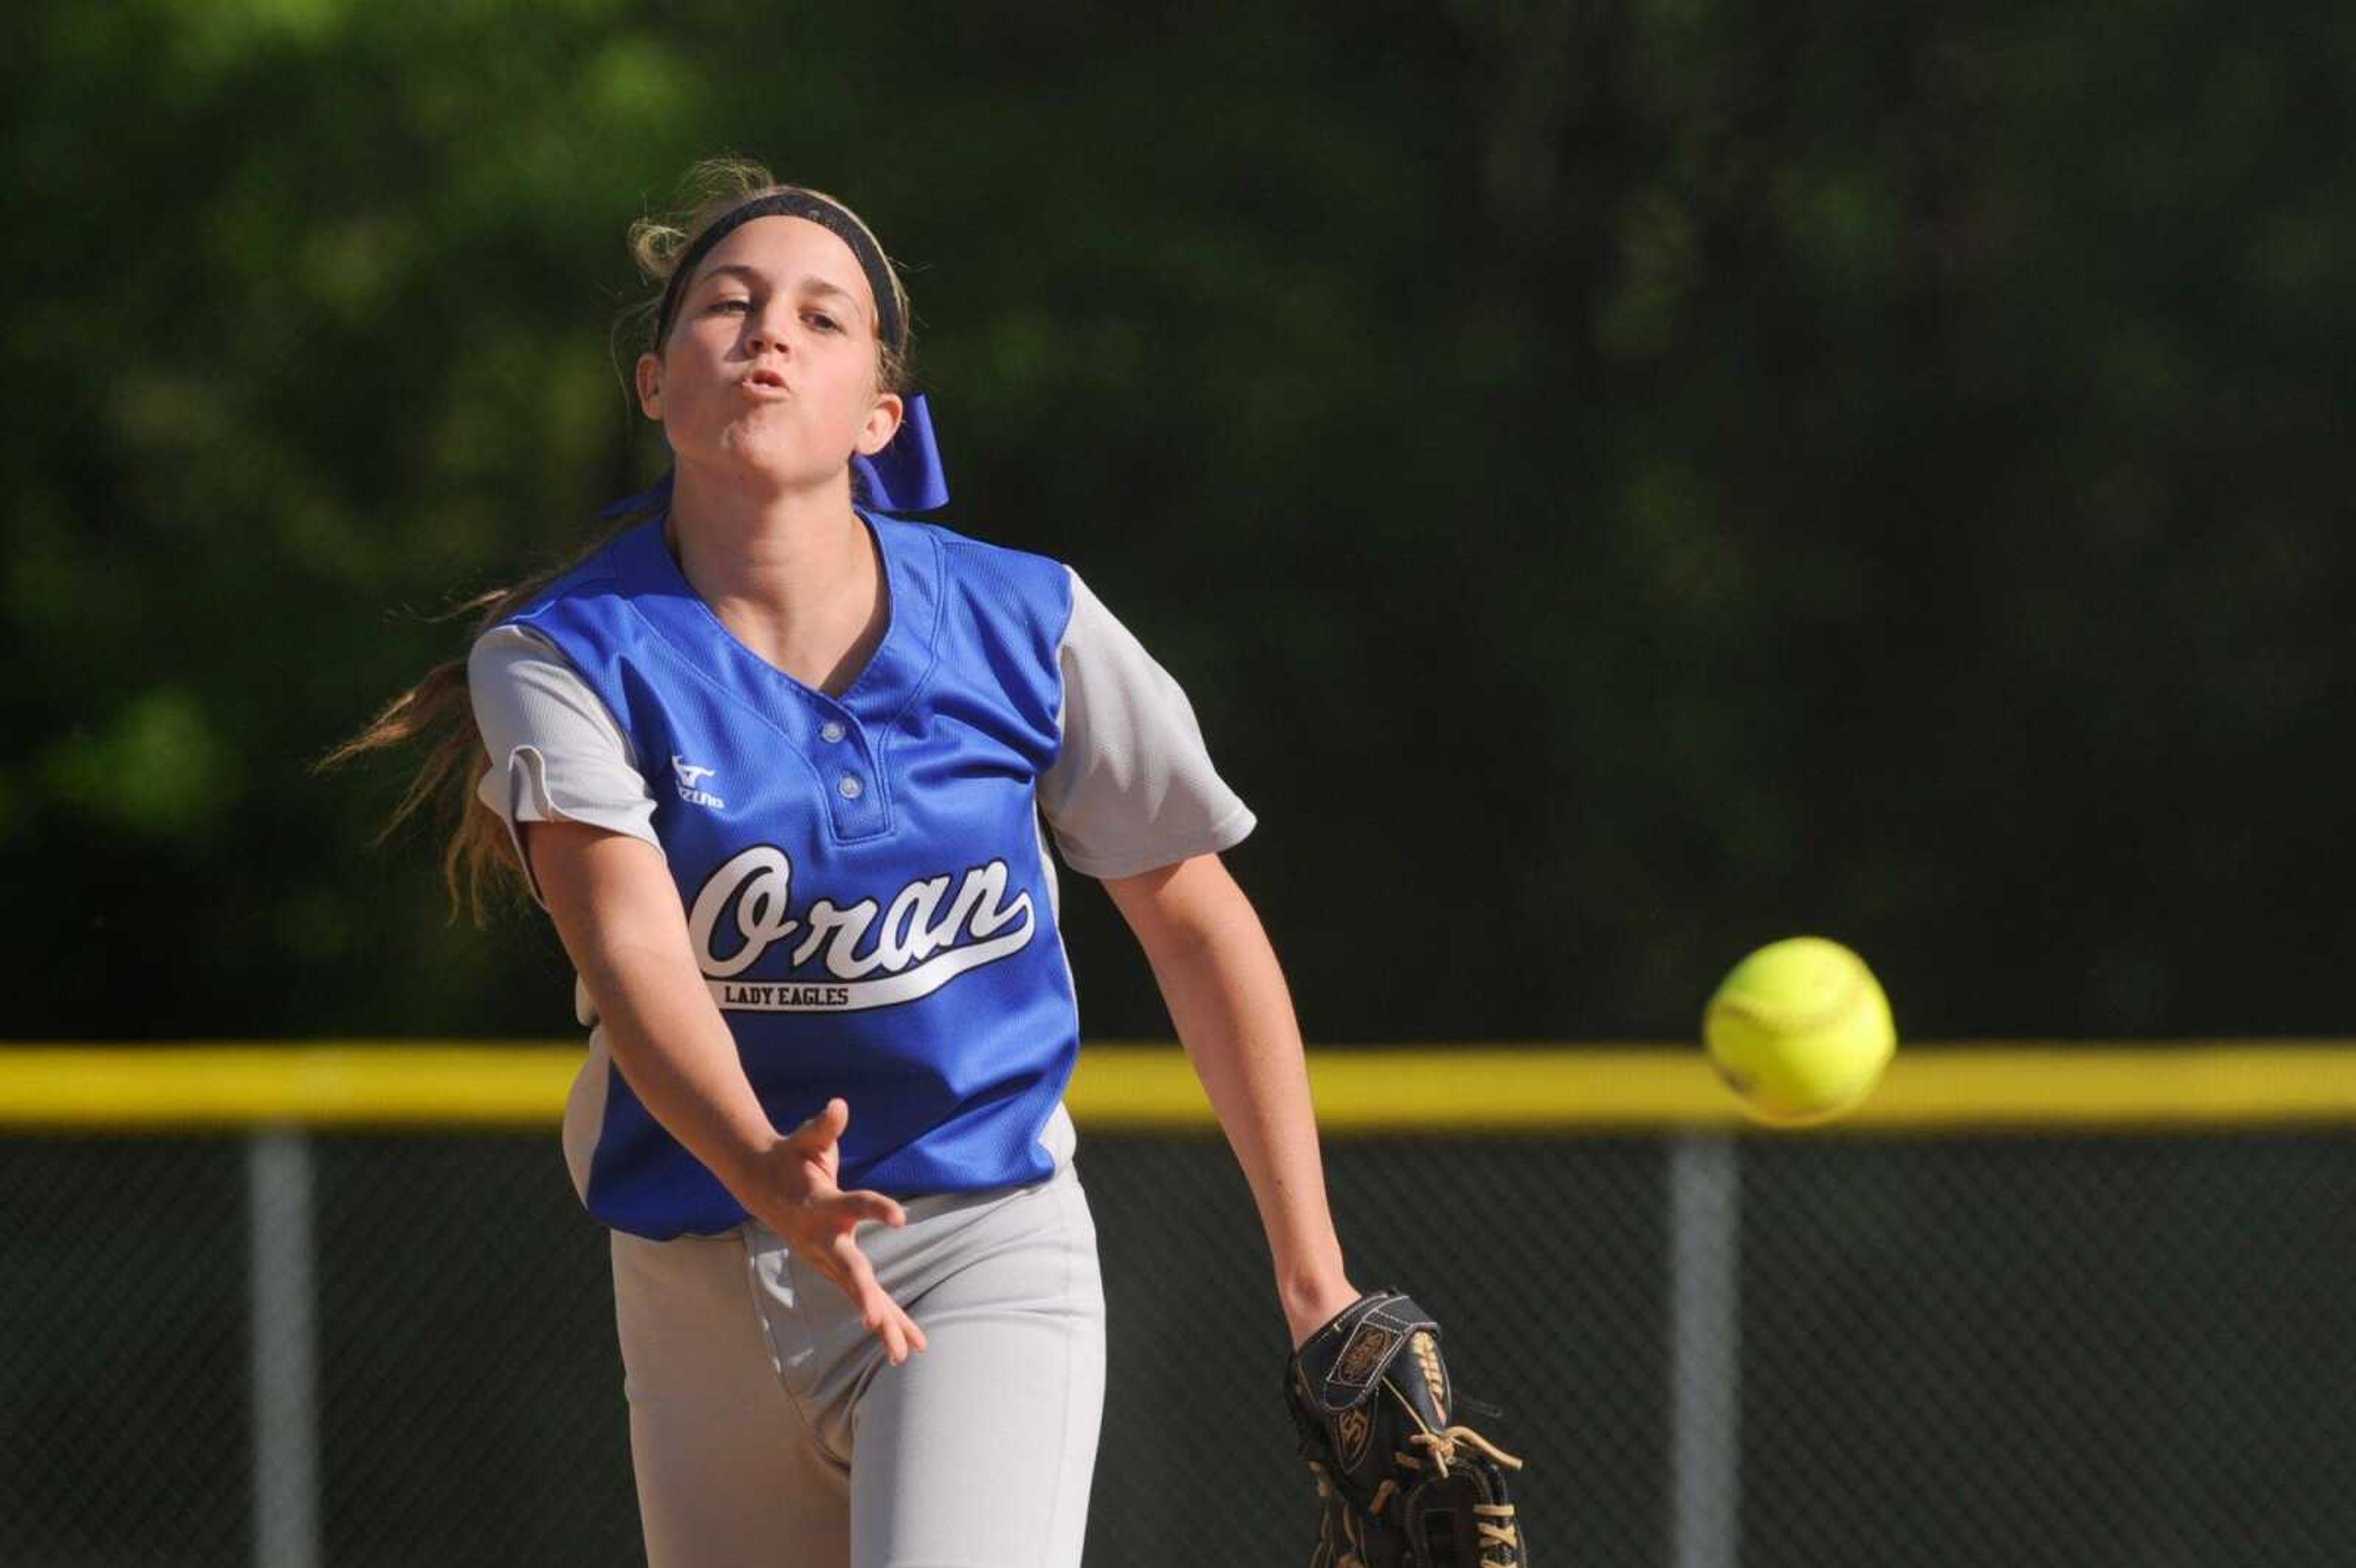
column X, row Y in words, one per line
column 770, row 370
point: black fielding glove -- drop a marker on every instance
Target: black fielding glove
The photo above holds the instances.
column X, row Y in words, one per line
column 1401, row 1486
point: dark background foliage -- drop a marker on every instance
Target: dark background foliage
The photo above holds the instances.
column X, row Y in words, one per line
column 1620, row 482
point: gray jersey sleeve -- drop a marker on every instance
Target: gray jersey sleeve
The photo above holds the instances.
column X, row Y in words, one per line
column 557, row 754
column 1132, row 787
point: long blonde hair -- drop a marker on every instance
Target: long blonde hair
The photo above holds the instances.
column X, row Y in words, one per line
column 478, row 858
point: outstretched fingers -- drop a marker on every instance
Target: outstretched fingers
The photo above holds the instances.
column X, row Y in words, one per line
column 883, row 1316
column 823, row 1130
column 821, row 1222
column 854, row 1207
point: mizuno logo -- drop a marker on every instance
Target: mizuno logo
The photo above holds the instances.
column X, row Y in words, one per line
column 688, row 774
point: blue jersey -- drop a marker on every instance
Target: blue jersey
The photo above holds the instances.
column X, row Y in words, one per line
column 863, row 876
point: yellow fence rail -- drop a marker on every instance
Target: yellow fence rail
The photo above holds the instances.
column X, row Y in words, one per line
column 1452, row 1089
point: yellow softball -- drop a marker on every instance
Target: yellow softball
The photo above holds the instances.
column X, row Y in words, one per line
column 1800, row 1031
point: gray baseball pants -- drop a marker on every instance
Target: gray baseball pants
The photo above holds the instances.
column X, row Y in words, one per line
column 768, row 1430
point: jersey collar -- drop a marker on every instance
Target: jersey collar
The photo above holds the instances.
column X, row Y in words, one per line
column 662, row 593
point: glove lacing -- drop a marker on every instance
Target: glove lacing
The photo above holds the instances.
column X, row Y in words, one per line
column 1442, row 1447
column 1443, row 1443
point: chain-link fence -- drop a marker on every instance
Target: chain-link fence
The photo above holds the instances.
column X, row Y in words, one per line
column 356, row 1350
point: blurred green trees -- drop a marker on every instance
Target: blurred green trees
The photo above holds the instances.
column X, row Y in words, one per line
column 1619, row 482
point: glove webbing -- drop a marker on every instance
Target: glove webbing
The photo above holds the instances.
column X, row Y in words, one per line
column 1493, row 1521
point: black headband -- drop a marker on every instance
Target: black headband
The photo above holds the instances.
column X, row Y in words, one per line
column 826, row 216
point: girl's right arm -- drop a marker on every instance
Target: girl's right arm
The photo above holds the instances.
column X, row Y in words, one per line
column 618, row 914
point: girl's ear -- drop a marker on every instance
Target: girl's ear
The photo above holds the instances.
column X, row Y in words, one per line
column 882, row 424
column 649, row 380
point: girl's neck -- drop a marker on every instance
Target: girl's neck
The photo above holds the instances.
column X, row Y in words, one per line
column 795, row 576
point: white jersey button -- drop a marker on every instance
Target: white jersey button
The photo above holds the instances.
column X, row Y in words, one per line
column 830, row 731
column 850, row 787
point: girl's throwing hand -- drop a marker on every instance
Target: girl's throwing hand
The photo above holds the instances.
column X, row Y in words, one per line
column 794, row 1193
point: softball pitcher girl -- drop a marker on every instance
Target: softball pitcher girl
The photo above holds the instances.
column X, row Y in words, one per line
column 781, row 765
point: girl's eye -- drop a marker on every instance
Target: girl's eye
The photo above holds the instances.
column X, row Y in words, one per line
column 823, row 321
column 730, row 303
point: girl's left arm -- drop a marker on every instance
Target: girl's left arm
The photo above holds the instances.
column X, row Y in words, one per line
column 1226, row 995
